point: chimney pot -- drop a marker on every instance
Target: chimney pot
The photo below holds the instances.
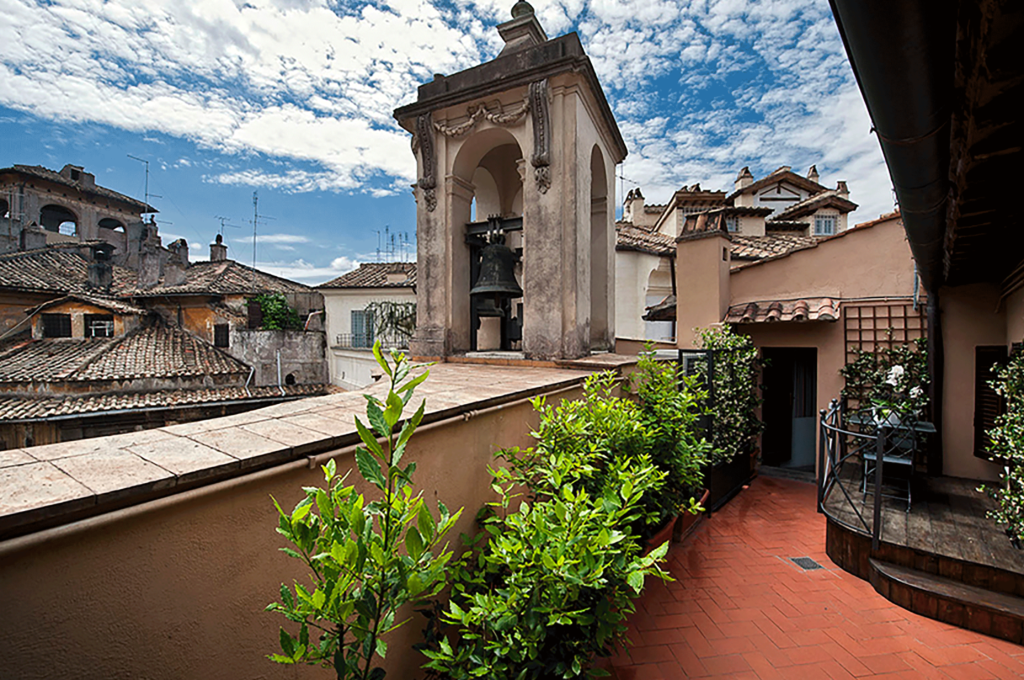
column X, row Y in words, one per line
column 218, row 251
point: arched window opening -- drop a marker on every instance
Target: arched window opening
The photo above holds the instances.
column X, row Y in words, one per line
column 289, row 379
column 111, row 224
column 5, row 208
column 59, row 220
column 659, row 287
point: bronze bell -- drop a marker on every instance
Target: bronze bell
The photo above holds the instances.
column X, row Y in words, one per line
column 497, row 273
column 488, row 307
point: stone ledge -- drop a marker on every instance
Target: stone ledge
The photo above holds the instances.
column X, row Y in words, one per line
column 55, row 484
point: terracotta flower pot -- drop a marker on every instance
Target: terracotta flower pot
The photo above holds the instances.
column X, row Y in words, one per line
column 688, row 521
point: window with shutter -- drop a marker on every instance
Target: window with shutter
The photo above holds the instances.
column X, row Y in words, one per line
column 362, row 328
column 221, row 335
column 56, row 325
column 987, row 403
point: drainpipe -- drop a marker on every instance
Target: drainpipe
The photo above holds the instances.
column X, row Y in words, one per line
column 936, row 363
column 252, row 370
column 279, row 373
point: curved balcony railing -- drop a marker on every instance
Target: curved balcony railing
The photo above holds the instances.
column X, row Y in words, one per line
column 850, row 448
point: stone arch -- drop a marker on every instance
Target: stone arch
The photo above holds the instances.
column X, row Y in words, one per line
column 599, row 252
column 484, row 174
column 659, row 286
column 58, row 219
column 5, row 208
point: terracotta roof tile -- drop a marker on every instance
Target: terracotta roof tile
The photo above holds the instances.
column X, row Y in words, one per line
column 222, row 277
column 375, row 275
column 55, row 269
column 748, row 247
column 116, row 306
column 628, row 237
column 770, row 311
column 154, row 352
column 812, row 203
column 31, row 408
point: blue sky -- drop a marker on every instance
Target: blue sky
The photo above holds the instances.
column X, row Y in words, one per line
column 293, row 99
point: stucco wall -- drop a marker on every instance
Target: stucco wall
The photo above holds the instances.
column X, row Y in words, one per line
column 869, row 262
column 968, row 321
column 632, row 272
column 175, row 589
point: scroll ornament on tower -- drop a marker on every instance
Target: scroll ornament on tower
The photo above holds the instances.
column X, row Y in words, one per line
column 424, row 139
column 541, row 159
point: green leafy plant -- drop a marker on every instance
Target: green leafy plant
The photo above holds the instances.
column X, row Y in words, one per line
column 891, row 380
column 549, row 586
column 553, row 584
column 1007, row 448
column 367, row 559
column 736, row 393
column 669, row 411
column 277, row 314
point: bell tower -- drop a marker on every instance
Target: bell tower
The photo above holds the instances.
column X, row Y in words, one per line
column 515, row 165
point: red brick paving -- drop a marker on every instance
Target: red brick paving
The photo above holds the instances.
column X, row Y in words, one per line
column 740, row 609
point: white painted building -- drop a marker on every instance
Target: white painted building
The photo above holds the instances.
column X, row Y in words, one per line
column 351, row 329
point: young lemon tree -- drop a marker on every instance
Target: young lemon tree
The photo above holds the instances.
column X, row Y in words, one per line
column 367, row 558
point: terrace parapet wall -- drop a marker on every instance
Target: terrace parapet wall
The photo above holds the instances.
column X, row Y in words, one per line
column 152, row 544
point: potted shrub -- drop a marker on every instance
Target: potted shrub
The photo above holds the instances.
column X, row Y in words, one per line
column 1007, row 446
column 734, row 399
column 669, row 411
column 550, row 587
column 367, row 557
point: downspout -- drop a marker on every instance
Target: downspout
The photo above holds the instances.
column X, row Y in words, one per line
column 252, row 370
column 279, row 373
column 936, row 364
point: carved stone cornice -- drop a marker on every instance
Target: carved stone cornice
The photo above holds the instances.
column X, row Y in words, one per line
column 479, row 112
column 423, row 141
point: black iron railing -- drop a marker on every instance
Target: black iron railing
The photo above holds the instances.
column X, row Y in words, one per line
column 853, row 450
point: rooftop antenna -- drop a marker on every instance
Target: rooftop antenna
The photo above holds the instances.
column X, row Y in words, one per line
column 223, row 223
column 143, row 160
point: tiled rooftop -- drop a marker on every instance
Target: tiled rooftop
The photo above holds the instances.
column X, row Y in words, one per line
column 55, row 269
column 38, row 407
column 376, row 275
column 629, row 237
column 832, row 197
column 154, row 352
column 112, row 305
column 769, row 311
column 223, row 277
column 91, row 476
column 749, row 247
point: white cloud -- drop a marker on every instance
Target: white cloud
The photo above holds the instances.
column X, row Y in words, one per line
column 700, row 87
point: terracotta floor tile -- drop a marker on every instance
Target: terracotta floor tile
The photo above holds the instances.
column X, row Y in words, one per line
column 740, row 609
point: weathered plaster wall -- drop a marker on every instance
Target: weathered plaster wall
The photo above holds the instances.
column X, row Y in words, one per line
column 632, row 272
column 1014, row 305
column 176, row 588
column 968, row 321
column 303, row 355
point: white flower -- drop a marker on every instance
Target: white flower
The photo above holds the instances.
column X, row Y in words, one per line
column 916, row 392
column 895, row 373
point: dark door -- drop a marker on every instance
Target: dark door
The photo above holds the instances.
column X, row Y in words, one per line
column 790, row 395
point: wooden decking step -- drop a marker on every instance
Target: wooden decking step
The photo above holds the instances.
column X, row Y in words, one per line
column 993, row 613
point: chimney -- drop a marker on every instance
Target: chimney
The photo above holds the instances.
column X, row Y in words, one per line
column 151, row 260
column 218, row 251
column 174, row 272
column 33, row 237
column 744, row 179
column 812, row 174
column 101, row 269
column 633, row 209
column 179, row 252
column 523, row 31
column 842, row 189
